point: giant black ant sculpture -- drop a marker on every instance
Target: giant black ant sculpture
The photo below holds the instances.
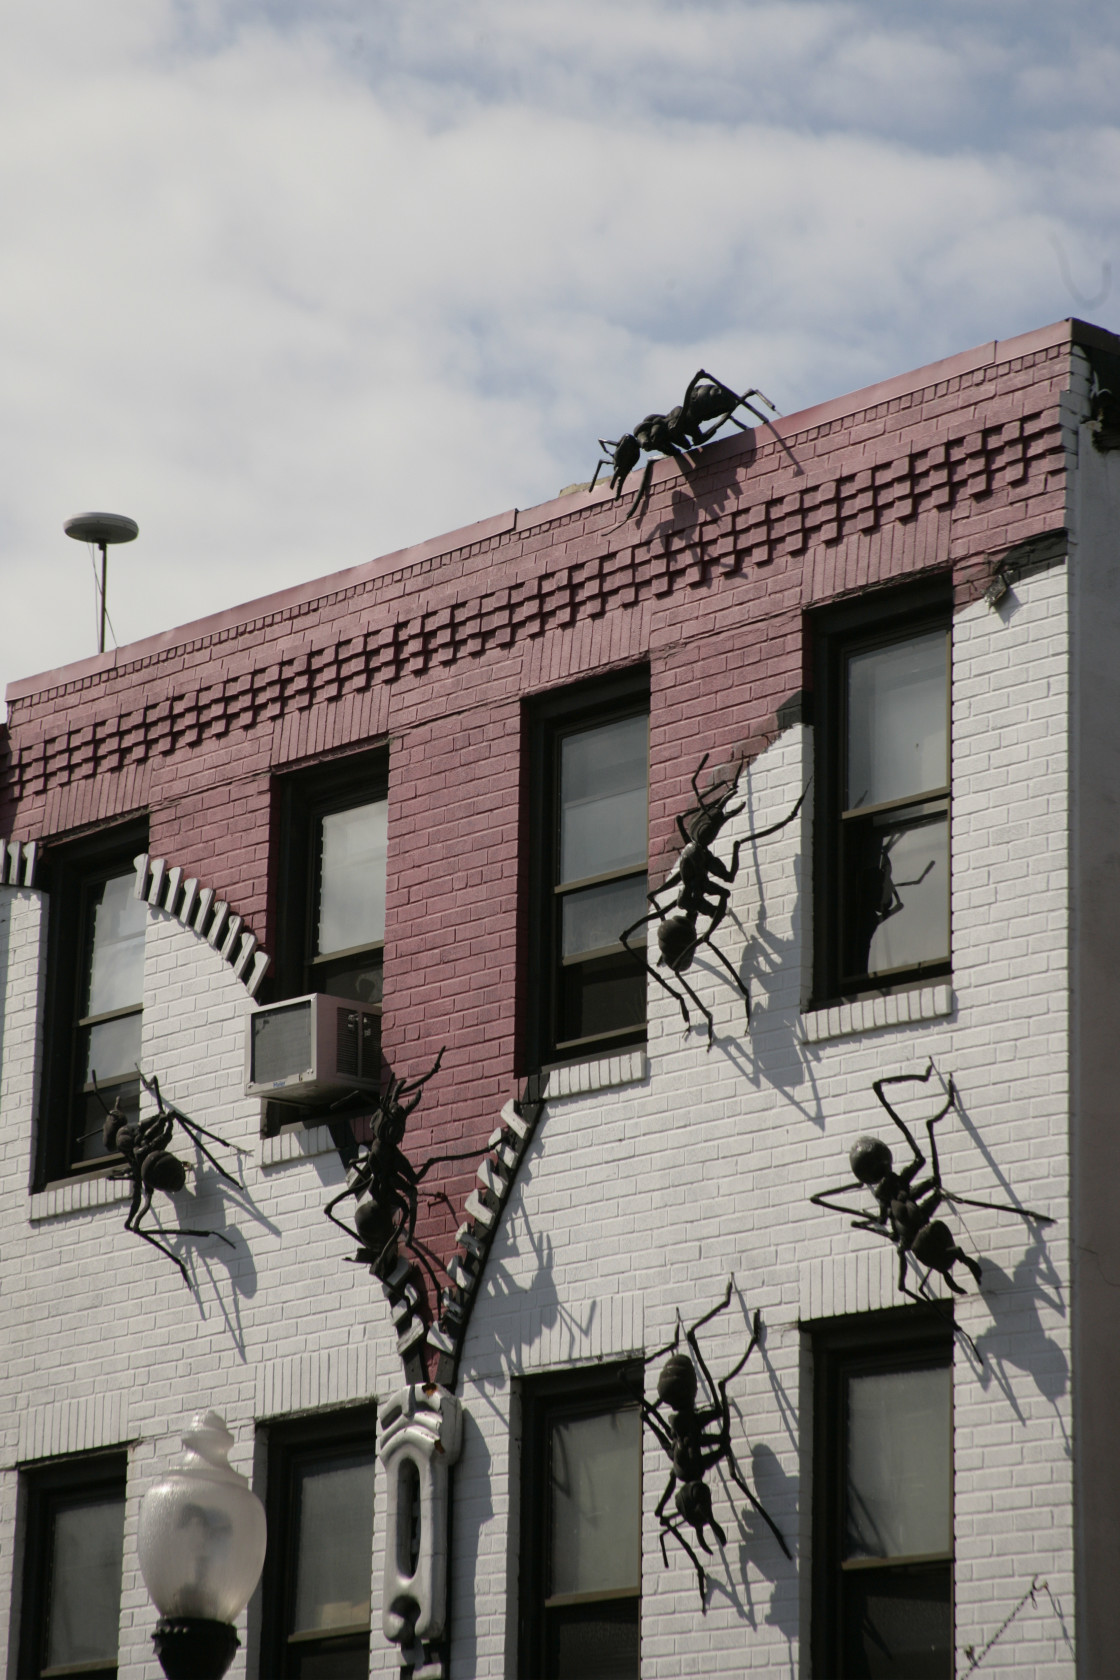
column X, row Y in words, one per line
column 698, row 874
column 906, row 1209
column 385, row 1184
column 150, row 1165
column 697, row 1438
column 683, row 428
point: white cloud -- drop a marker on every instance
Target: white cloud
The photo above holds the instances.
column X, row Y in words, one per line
column 297, row 285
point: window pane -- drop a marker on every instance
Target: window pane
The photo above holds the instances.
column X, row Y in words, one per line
column 334, row 1558
column 897, row 1624
column 897, row 912
column 346, row 1660
column 115, row 979
column 593, row 1641
column 898, row 1464
column 89, row 1144
column 85, row 1583
column 605, row 995
column 594, row 917
column 111, row 1048
column 596, row 1502
column 352, row 882
column 897, row 721
column 603, row 799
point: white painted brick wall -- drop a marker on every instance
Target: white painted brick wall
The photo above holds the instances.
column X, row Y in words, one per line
column 633, row 1202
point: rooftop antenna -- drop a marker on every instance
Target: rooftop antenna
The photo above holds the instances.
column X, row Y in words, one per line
column 102, row 529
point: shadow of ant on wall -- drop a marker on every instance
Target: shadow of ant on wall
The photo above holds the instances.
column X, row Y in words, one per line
column 149, row 1165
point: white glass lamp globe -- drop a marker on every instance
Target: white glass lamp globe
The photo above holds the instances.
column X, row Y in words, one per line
column 202, row 1530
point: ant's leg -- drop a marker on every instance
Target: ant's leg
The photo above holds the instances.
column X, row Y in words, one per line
column 1000, row 1207
column 698, row 772
column 414, row 1248
column 740, row 1481
column 148, row 1238
column 667, row 1495
column 331, row 1205
column 776, row 828
column 643, row 491
column 706, row 939
column 683, row 983
column 191, row 1231
column 668, row 1526
column 624, row 938
column 715, row 1311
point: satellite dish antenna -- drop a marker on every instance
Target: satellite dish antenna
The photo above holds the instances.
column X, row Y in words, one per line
column 102, row 529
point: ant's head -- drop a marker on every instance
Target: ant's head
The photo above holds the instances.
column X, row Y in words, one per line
column 676, row 1385
column 389, row 1123
column 118, row 1131
column 870, row 1160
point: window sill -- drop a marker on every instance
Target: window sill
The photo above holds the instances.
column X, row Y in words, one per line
column 295, row 1143
column 577, row 1079
column 76, row 1194
column 896, row 1009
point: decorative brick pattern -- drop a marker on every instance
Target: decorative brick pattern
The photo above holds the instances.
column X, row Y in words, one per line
column 17, row 863
column 198, row 909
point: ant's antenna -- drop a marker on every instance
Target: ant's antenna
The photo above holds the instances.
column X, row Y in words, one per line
column 102, row 529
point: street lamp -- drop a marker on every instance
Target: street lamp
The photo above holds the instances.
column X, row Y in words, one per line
column 201, row 1545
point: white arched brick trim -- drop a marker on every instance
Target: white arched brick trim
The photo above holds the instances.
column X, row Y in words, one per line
column 197, row 909
column 17, row 862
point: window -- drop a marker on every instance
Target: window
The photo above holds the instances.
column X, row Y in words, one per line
column 882, row 864
column 95, row 996
column 590, row 757
column 882, row 1496
column 581, row 1518
column 73, row 1547
column 315, row 1617
column 331, row 901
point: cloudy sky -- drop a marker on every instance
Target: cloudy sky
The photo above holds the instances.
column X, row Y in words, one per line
column 297, row 283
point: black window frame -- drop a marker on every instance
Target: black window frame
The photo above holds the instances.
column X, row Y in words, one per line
column 836, row 633
column 549, row 719
column 70, row 869
column 302, row 799
column 895, row 1339
column 588, row 1391
column 289, row 1443
column 45, row 1487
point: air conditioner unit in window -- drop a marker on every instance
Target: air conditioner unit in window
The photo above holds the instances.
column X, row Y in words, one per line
column 312, row 1049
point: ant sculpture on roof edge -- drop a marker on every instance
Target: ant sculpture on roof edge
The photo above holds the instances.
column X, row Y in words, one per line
column 149, row 1163
column 676, row 433
column 697, row 875
column 385, row 1184
column 686, row 1434
column 906, row 1209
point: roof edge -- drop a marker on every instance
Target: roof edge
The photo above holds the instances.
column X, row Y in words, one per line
column 1068, row 331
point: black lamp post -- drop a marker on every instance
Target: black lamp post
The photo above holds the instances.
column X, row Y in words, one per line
column 201, row 1544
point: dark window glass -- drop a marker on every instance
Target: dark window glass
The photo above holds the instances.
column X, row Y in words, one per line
column 316, row 1610
column 72, row 1568
column 590, row 846
column 349, row 909
column 581, row 1517
column 883, row 1528
column 112, row 997
column 95, row 995
column 332, row 833
column 882, row 805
